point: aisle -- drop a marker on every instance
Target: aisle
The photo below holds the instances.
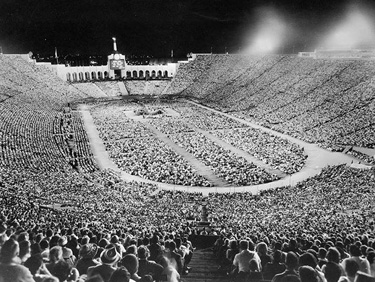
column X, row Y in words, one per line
column 204, row 268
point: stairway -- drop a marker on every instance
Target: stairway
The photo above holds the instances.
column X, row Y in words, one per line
column 204, row 268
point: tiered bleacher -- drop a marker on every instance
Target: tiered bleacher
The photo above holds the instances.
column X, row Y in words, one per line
column 324, row 101
column 58, row 223
column 110, row 88
column 146, row 87
column 135, row 86
column 90, row 89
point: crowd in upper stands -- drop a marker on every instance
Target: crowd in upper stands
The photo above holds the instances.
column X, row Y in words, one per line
column 330, row 102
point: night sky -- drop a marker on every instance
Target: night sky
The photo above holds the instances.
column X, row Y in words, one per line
column 155, row 27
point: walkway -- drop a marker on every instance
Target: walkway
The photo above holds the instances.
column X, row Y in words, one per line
column 366, row 151
column 318, row 158
column 122, row 87
column 96, row 143
column 204, row 268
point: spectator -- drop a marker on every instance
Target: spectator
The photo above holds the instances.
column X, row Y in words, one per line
column 130, row 262
column 351, row 268
column 332, row 272
column 172, row 256
column 276, row 267
column 108, row 258
column 355, row 253
column 371, row 260
column 254, row 274
column 64, row 272
column 363, row 277
column 37, row 267
column 241, row 260
column 262, row 251
column 10, row 268
column 291, row 264
column 86, row 258
column 148, row 267
column 121, row 274
column 308, row 274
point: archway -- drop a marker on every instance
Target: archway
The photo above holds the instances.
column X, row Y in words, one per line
column 80, row 76
column 68, row 77
column 166, row 74
column 100, row 75
column 128, row 74
column 140, row 73
column 147, row 73
column 87, row 75
column 106, row 75
column 93, row 75
column 135, row 74
column 159, row 74
column 74, row 76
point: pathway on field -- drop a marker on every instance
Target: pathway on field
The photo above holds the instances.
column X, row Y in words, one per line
column 201, row 168
column 367, row 151
column 96, row 143
column 241, row 153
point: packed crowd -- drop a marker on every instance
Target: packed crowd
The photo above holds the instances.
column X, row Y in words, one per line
column 171, row 125
column 53, row 217
column 152, row 159
column 333, row 209
column 147, row 87
column 130, row 137
column 90, row 89
column 234, row 169
column 277, row 152
column 113, row 124
column 329, row 102
column 29, row 115
column 323, row 216
column 96, row 211
column 110, row 88
column 71, row 138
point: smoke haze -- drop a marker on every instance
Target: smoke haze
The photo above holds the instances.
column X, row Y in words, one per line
column 269, row 34
column 355, row 30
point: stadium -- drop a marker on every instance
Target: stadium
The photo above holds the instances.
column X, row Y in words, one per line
column 187, row 166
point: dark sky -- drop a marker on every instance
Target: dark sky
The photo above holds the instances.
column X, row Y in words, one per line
column 152, row 27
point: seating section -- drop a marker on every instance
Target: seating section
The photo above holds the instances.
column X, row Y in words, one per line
column 32, row 132
column 110, row 88
column 146, row 87
column 90, row 89
column 279, row 153
column 135, row 86
column 329, row 102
